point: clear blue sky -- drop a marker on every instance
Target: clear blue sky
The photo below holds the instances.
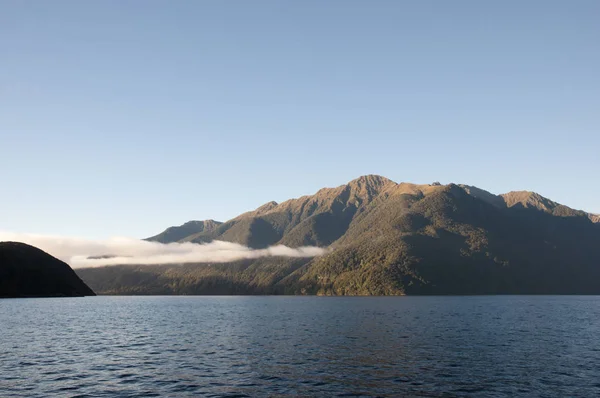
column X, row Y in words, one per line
column 125, row 117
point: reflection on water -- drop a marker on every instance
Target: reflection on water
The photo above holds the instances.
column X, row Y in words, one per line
column 307, row 346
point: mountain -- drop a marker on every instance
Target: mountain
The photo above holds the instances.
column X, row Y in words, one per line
column 530, row 200
column 388, row 238
column 190, row 228
column 26, row 271
column 317, row 220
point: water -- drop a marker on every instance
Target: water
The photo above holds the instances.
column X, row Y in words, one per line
column 301, row 346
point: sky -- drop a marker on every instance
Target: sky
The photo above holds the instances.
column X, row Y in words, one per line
column 121, row 118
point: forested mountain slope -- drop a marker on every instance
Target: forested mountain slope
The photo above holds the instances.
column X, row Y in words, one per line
column 389, row 238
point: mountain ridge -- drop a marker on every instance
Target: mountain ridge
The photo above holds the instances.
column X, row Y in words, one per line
column 363, row 189
column 395, row 238
column 177, row 233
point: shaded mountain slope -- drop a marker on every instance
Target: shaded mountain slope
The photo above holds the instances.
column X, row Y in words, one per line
column 261, row 276
column 387, row 238
column 175, row 234
column 452, row 243
column 26, row 271
column 529, row 200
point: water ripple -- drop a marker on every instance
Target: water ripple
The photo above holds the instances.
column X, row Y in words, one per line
column 300, row 346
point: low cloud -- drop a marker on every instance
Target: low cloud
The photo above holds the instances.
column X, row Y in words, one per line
column 83, row 253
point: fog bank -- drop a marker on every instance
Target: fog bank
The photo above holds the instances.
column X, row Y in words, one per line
column 119, row 250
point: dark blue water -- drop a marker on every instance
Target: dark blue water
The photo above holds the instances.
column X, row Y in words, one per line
column 300, row 346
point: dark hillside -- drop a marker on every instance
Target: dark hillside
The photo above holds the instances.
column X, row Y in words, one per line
column 26, row 271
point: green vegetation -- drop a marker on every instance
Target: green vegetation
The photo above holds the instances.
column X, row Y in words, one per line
column 390, row 239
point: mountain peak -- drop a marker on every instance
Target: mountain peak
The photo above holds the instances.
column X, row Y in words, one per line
column 369, row 186
column 175, row 234
column 371, row 180
column 484, row 195
column 198, row 222
column 267, row 206
column 202, row 224
column 528, row 199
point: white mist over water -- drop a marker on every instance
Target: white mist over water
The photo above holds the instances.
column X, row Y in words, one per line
column 76, row 251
